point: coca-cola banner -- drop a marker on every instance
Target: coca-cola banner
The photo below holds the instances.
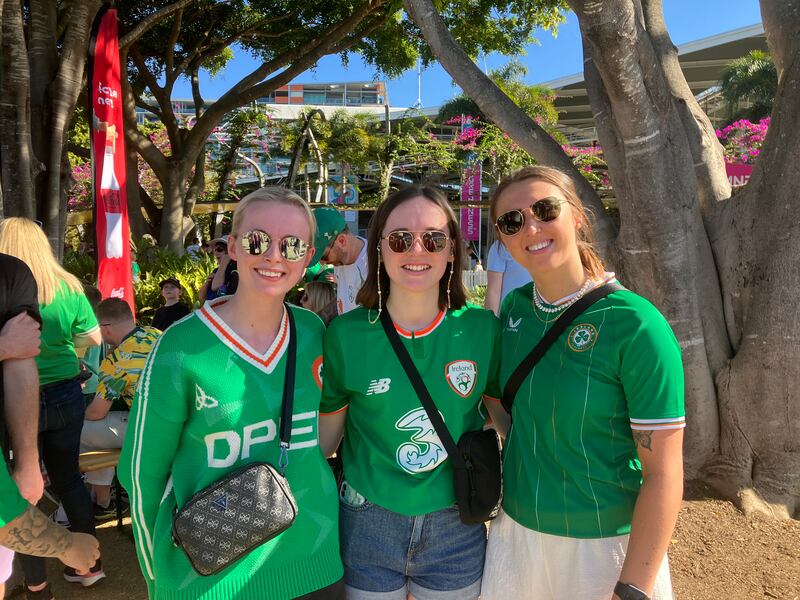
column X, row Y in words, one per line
column 108, row 160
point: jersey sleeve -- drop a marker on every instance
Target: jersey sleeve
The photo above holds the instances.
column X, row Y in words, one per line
column 85, row 322
column 493, row 380
column 12, row 504
column 494, row 260
column 652, row 374
column 334, row 393
column 158, row 413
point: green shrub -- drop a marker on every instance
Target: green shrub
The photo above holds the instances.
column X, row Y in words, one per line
column 477, row 296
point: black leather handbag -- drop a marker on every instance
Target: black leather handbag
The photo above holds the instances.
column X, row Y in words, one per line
column 477, row 467
column 248, row 507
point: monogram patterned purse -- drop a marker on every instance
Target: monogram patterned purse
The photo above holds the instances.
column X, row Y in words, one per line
column 248, row 507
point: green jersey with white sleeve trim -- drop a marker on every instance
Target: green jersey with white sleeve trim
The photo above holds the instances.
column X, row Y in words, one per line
column 570, row 463
column 391, row 452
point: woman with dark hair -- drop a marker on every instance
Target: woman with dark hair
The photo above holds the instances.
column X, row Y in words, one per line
column 401, row 535
column 593, row 462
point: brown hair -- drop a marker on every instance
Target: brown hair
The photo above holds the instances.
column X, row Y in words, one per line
column 114, row 310
column 368, row 294
column 590, row 260
column 320, row 294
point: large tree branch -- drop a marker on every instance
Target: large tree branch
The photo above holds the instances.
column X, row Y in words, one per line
column 171, row 41
column 144, row 146
column 782, row 25
column 162, row 96
column 150, row 21
column 249, row 88
column 501, row 110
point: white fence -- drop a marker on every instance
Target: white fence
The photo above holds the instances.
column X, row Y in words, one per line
column 473, row 279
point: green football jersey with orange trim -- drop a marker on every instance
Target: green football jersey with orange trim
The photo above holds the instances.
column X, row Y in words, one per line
column 391, row 453
column 570, row 464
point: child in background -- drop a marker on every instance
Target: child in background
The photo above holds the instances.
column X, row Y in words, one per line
column 173, row 308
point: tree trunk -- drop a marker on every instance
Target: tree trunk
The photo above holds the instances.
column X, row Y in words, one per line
column 720, row 270
column 172, row 224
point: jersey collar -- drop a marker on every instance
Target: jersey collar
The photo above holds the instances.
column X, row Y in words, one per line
column 267, row 361
column 422, row 332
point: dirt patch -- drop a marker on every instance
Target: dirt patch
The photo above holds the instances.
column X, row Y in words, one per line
column 716, row 553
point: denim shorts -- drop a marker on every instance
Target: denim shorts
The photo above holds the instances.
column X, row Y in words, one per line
column 387, row 555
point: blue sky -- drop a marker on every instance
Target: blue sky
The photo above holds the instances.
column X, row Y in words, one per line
column 552, row 58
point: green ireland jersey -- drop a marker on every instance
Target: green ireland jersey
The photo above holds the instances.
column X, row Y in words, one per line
column 570, row 464
column 391, row 453
column 12, row 504
column 207, row 404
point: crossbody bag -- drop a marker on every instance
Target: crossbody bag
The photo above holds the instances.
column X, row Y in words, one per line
column 225, row 521
column 477, row 467
column 555, row 331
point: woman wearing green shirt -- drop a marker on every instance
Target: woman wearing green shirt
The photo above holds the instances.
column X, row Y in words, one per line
column 209, row 402
column 593, row 462
column 401, row 533
column 67, row 322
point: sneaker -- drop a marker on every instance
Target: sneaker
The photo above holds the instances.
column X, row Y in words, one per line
column 94, row 575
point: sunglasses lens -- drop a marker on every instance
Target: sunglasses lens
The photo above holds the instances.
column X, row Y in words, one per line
column 511, row 223
column 434, row 241
column 400, row 241
column 293, row 248
column 546, row 209
column 256, row 242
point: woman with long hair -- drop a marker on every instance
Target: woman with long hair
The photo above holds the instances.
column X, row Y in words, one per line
column 401, row 533
column 320, row 297
column 67, row 322
column 209, row 403
column 593, row 462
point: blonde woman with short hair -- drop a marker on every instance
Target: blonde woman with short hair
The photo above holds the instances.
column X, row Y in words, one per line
column 67, row 322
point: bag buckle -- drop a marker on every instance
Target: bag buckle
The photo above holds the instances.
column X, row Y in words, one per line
column 283, row 460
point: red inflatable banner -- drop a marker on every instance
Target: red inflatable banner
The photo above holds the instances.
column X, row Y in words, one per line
column 108, row 160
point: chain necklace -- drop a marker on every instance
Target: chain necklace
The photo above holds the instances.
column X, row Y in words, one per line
column 538, row 300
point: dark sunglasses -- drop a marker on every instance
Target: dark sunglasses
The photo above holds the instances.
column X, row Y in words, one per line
column 257, row 242
column 544, row 210
column 402, row 241
column 326, row 254
column 220, row 248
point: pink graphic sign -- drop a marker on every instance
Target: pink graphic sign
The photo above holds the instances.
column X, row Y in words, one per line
column 471, row 192
column 738, row 175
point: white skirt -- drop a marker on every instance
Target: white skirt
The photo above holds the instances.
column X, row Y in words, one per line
column 528, row 565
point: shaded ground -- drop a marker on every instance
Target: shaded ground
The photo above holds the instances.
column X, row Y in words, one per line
column 716, row 553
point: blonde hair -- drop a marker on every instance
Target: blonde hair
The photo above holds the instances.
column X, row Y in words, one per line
column 320, row 294
column 590, row 259
column 277, row 195
column 24, row 239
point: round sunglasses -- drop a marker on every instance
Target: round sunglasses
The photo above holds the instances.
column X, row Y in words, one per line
column 544, row 210
column 257, row 242
column 401, row 241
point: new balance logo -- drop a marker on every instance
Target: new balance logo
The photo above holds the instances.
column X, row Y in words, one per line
column 203, row 400
column 512, row 324
column 378, row 386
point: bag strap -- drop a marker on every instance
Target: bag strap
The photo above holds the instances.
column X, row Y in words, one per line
column 288, row 392
column 564, row 321
column 422, row 392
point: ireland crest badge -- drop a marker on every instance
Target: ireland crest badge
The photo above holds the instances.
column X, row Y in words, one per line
column 461, row 375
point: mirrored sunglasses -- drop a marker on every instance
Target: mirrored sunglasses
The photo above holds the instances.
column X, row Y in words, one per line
column 257, row 242
column 432, row 241
column 544, row 210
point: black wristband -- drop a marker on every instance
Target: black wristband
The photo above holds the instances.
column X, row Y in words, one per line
column 626, row 591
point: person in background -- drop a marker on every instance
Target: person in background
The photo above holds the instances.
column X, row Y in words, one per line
column 92, row 355
column 19, row 394
column 225, row 278
column 345, row 251
column 593, row 463
column 216, row 377
column 193, row 249
column 504, row 274
column 67, row 322
column 320, row 297
column 107, row 415
column 174, row 308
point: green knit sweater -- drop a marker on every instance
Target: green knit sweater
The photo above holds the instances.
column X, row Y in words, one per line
column 208, row 404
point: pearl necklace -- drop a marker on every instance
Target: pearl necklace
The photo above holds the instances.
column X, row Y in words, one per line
column 537, row 299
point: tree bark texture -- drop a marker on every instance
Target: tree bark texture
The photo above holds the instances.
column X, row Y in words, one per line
column 721, row 270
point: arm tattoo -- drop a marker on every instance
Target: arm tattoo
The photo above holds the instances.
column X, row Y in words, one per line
column 33, row 533
column 643, row 439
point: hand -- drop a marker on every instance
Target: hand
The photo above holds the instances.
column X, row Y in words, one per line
column 19, row 337
column 29, row 481
column 224, row 260
column 82, row 552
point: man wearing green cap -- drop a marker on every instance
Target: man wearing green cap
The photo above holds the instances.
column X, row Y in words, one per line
column 336, row 245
